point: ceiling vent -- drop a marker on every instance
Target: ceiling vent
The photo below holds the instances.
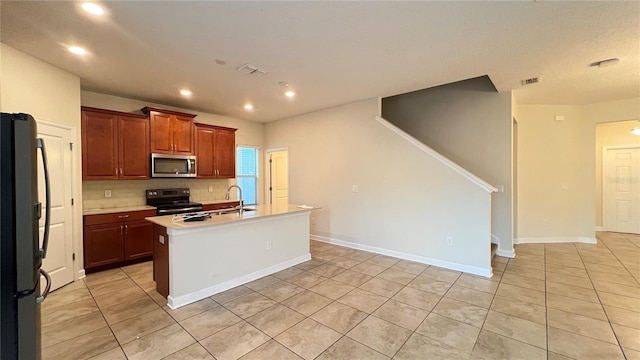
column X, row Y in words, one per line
column 251, row 70
column 530, row 81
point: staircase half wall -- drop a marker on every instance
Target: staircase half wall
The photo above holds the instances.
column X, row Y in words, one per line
column 381, row 190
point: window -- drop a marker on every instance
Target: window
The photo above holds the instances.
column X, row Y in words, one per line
column 247, row 173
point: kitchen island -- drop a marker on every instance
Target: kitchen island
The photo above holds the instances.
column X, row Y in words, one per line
column 194, row 260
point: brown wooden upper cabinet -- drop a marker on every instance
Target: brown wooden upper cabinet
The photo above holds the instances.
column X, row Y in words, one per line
column 215, row 152
column 171, row 131
column 115, row 145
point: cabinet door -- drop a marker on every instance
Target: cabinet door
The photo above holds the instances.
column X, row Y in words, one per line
column 138, row 240
column 99, row 146
column 161, row 133
column 103, row 245
column 225, row 153
column 134, row 147
column 182, row 135
column 204, row 152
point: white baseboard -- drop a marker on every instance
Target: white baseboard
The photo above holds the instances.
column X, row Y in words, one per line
column 405, row 256
column 599, row 228
column 81, row 274
column 506, row 253
column 560, row 239
column 187, row 299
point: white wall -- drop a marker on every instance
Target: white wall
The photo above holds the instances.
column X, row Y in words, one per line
column 556, row 170
column 31, row 86
column 611, row 134
column 249, row 134
column 469, row 123
column 407, row 201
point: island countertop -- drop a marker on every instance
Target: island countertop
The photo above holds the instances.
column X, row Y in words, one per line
column 261, row 211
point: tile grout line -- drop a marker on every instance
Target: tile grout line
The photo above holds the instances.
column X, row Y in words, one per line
column 600, row 301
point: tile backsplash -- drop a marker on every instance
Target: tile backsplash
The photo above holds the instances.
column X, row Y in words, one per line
column 132, row 192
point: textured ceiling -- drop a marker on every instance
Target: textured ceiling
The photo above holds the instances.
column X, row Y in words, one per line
column 332, row 53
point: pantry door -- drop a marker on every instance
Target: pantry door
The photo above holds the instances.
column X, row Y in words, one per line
column 621, row 181
column 279, row 178
column 59, row 260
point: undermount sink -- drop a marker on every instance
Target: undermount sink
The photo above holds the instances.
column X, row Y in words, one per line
column 231, row 211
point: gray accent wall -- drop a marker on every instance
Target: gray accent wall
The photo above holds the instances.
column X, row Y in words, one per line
column 470, row 123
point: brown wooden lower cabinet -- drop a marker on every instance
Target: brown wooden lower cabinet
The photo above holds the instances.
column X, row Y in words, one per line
column 115, row 239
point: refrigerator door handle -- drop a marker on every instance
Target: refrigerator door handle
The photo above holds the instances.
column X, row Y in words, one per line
column 47, row 218
column 47, row 288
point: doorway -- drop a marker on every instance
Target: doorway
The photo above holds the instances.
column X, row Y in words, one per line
column 621, row 188
column 277, row 183
column 60, row 253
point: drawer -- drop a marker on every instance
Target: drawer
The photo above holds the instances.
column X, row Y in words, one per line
column 118, row 217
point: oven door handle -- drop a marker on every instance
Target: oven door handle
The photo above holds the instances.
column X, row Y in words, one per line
column 173, row 211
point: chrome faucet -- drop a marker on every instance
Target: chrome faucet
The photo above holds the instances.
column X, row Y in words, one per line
column 226, row 197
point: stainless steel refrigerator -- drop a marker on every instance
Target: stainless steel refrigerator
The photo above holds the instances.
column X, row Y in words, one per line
column 20, row 252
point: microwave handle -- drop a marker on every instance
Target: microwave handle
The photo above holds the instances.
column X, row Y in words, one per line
column 188, row 166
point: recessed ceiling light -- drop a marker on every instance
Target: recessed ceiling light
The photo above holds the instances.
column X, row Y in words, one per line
column 77, row 50
column 248, row 107
column 185, row 92
column 92, row 8
column 635, row 131
column 290, row 94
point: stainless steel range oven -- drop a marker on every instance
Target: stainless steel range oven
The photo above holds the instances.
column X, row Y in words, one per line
column 171, row 201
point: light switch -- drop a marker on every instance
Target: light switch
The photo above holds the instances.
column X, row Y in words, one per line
column 107, row 193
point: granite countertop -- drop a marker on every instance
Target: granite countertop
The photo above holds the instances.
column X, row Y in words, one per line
column 110, row 210
column 260, row 211
column 116, row 209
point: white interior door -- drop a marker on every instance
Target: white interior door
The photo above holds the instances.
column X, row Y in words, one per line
column 279, row 179
column 59, row 260
column 622, row 189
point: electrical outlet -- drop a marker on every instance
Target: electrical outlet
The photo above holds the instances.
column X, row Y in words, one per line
column 107, row 193
column 210, row 188
column 268, row 244
column 449, row 240
column 355, row 188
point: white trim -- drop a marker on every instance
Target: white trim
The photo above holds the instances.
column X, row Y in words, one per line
column 599, row 228
column 405, row 256
column 187, row 299
column 500, row 252
column 434, row 154
column 506, row 253
column 81, row 274
column 495, row 240
column 602, row 180
column 559, row 239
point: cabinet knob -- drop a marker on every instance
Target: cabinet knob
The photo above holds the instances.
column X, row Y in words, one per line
column 123, row 216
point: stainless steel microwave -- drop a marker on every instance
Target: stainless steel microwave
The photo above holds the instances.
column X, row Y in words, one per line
column 163, row 165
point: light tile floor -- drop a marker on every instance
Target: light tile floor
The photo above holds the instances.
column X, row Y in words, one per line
column 554, row 301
